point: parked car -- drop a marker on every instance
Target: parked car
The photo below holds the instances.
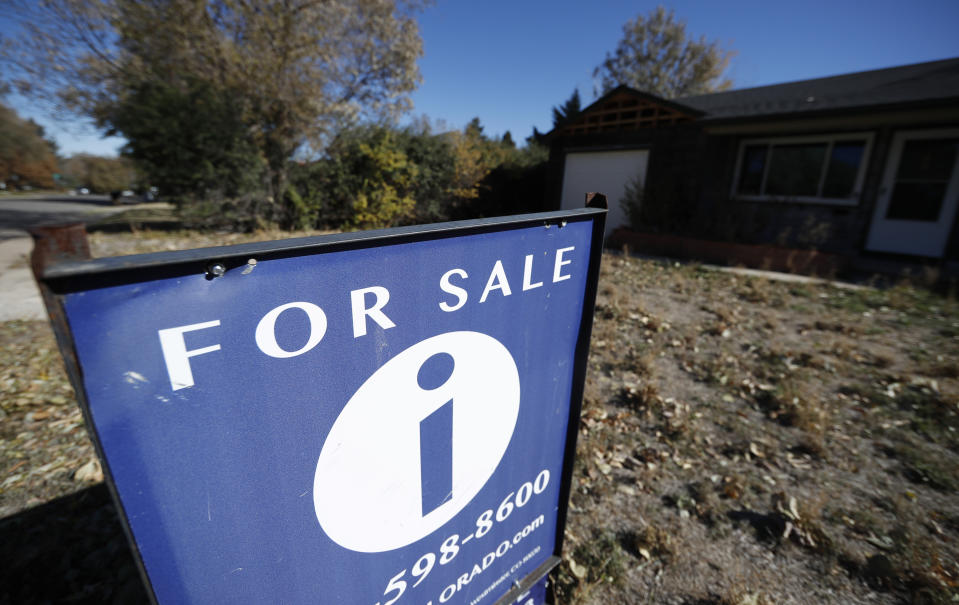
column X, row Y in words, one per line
column 124, row 197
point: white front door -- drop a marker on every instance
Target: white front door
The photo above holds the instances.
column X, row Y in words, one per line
column 607, row 172
column 919, row 194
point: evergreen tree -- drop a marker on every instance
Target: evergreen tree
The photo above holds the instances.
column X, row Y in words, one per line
column 567, row 111
column 537, row 138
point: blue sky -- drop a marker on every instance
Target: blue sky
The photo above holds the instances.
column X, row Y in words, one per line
column 510, row 62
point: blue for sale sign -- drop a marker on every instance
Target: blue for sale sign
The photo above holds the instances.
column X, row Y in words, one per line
column 374, row 420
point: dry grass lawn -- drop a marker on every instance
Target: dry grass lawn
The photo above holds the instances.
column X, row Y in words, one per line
column 748, row 441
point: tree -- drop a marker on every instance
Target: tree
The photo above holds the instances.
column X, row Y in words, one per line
column 474, row 129
column 562, row 115
column 296, row 69
column 433, row 156
column 567, row 111
column 537, row 138
column 190, row 139
column 384, row 199
column 655, row 56
column 99, row 174
column 367, row 182
column 26, row 157
column 470, row 161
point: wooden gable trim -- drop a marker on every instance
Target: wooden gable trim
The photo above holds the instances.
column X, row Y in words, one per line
column 624, row 111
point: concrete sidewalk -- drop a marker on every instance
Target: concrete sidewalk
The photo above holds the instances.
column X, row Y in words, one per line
column 19, row 296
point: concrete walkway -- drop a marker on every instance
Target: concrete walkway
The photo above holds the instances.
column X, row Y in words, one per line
column 785, row 277
column 19, row 296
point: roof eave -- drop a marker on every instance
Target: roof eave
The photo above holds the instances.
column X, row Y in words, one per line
column 706, row 120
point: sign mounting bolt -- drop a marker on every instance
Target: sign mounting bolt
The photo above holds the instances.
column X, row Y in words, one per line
column 215, row 270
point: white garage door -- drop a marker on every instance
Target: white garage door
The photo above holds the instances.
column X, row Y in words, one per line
column 604, row 172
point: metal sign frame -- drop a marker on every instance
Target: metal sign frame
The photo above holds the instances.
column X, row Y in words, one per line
column 62, row 266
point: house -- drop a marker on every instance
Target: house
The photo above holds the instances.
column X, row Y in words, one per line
column 863, row 165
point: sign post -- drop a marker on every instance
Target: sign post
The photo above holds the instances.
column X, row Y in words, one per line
column 385, row 417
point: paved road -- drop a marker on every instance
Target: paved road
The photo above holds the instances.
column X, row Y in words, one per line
column 19, row 298
column 17, row 214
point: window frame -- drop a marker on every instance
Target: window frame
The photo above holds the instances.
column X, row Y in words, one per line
column 830, row 140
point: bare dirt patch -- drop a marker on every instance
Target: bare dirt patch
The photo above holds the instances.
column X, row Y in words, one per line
column 743, row 441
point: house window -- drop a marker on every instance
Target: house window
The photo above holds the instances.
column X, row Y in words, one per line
column 824, row 169
column 925, row 171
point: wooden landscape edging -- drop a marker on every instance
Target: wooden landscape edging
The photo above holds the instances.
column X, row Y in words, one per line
column 773, row 258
